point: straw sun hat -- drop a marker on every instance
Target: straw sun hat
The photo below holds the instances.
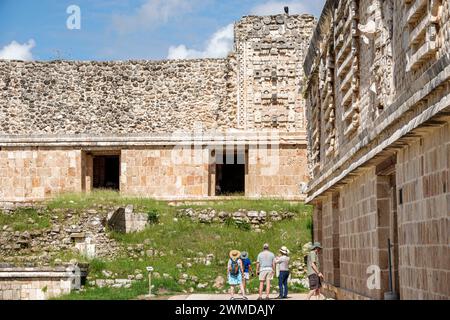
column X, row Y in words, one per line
column 235, row 254
column 284, row 250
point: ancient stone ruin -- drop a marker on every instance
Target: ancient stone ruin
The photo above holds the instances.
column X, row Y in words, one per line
column 39, row 283
column 165, row 129
column 378, row 109
column 124, row 220
column 256, row 220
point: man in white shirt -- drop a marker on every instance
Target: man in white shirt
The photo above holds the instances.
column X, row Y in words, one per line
column 265, row 266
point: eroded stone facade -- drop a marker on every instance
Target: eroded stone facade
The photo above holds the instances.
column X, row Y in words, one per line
column 378, row 106
column 57, row 117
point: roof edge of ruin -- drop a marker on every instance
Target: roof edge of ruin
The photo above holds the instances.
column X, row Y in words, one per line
column 317, row 35
column 301, row 15
column 130, row 61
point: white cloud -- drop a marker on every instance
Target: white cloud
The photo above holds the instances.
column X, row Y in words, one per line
column 17, row 51
column 218, row 46
column 151, row 14
column 277, row 7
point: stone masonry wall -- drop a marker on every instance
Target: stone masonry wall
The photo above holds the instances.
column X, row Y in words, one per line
column 156, row 172
column 423, row 178
column 68, row 97
column 358, row 233
column 398, row 47
column 290, row 172
column 138, row 108
column 34, row 174
column 33, row 289
column 256, row 86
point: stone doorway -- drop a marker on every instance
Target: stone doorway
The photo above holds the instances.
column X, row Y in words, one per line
column 106, row 172
column 387, row 224
column 231, row 169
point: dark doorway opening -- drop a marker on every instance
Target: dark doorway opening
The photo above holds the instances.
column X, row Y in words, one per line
column 230, row 174
column 106, row 172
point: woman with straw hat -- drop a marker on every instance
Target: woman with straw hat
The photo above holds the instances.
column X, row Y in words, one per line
column 283, row 263
column 234, row 273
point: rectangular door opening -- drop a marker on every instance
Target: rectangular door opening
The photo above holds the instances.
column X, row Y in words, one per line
column 230, row 173
column 106, row 172
column 387, row 226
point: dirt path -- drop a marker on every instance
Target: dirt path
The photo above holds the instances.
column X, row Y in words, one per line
column 294, row 296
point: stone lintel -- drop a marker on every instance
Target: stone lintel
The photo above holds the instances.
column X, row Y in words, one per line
column 232, row 138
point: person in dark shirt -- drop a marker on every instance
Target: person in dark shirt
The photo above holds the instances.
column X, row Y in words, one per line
column 247, row 268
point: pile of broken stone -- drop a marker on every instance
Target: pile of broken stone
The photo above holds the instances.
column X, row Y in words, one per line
column 256, row 219
column 80, row 232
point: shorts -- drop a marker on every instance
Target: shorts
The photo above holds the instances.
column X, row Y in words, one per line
column 246, row 276
column 265, row 275
column 314, row 282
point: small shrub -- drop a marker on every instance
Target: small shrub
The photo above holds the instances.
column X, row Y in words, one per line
column 153, row 217
column 96, row 266
column 229, row 222
column 243, row 225
column 238, row 224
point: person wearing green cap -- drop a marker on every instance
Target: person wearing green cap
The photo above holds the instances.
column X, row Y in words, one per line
column 315, row 277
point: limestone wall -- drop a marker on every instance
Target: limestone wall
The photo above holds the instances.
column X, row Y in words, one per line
column 38, row 283
column 68, row 97
column 256, row 86
column 370, row 67
column 358, row 233
column 281, row 175
column 140, row 110
column 163, row 172
column 424, row 216
column 35, row 174
column 414, row 215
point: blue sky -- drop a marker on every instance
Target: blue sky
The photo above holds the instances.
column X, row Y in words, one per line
column 129, row 29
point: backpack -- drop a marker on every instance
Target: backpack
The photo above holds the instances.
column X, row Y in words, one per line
column 305, row 259
column 234, row 267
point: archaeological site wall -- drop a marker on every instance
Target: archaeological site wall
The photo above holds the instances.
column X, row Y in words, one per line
column 378, row 110
column 69, row 126
column 98, row 98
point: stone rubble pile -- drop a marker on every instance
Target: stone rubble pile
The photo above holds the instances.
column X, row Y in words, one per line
column 256, row 219
column 82, row 233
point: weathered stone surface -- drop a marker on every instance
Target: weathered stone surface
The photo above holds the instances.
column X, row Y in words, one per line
column 125, row 220
column 39, row 246
column 256, row 219
column 378, row 131
column 157, row 105
column 39, row 283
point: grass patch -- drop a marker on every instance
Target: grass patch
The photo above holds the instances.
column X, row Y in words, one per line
column 94, row 293
column 80, row 201
column 24, row 219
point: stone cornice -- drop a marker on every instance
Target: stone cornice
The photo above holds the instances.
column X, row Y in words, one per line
column 83, row 140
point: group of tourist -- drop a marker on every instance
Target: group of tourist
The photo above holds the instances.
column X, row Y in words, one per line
column 239, row 270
